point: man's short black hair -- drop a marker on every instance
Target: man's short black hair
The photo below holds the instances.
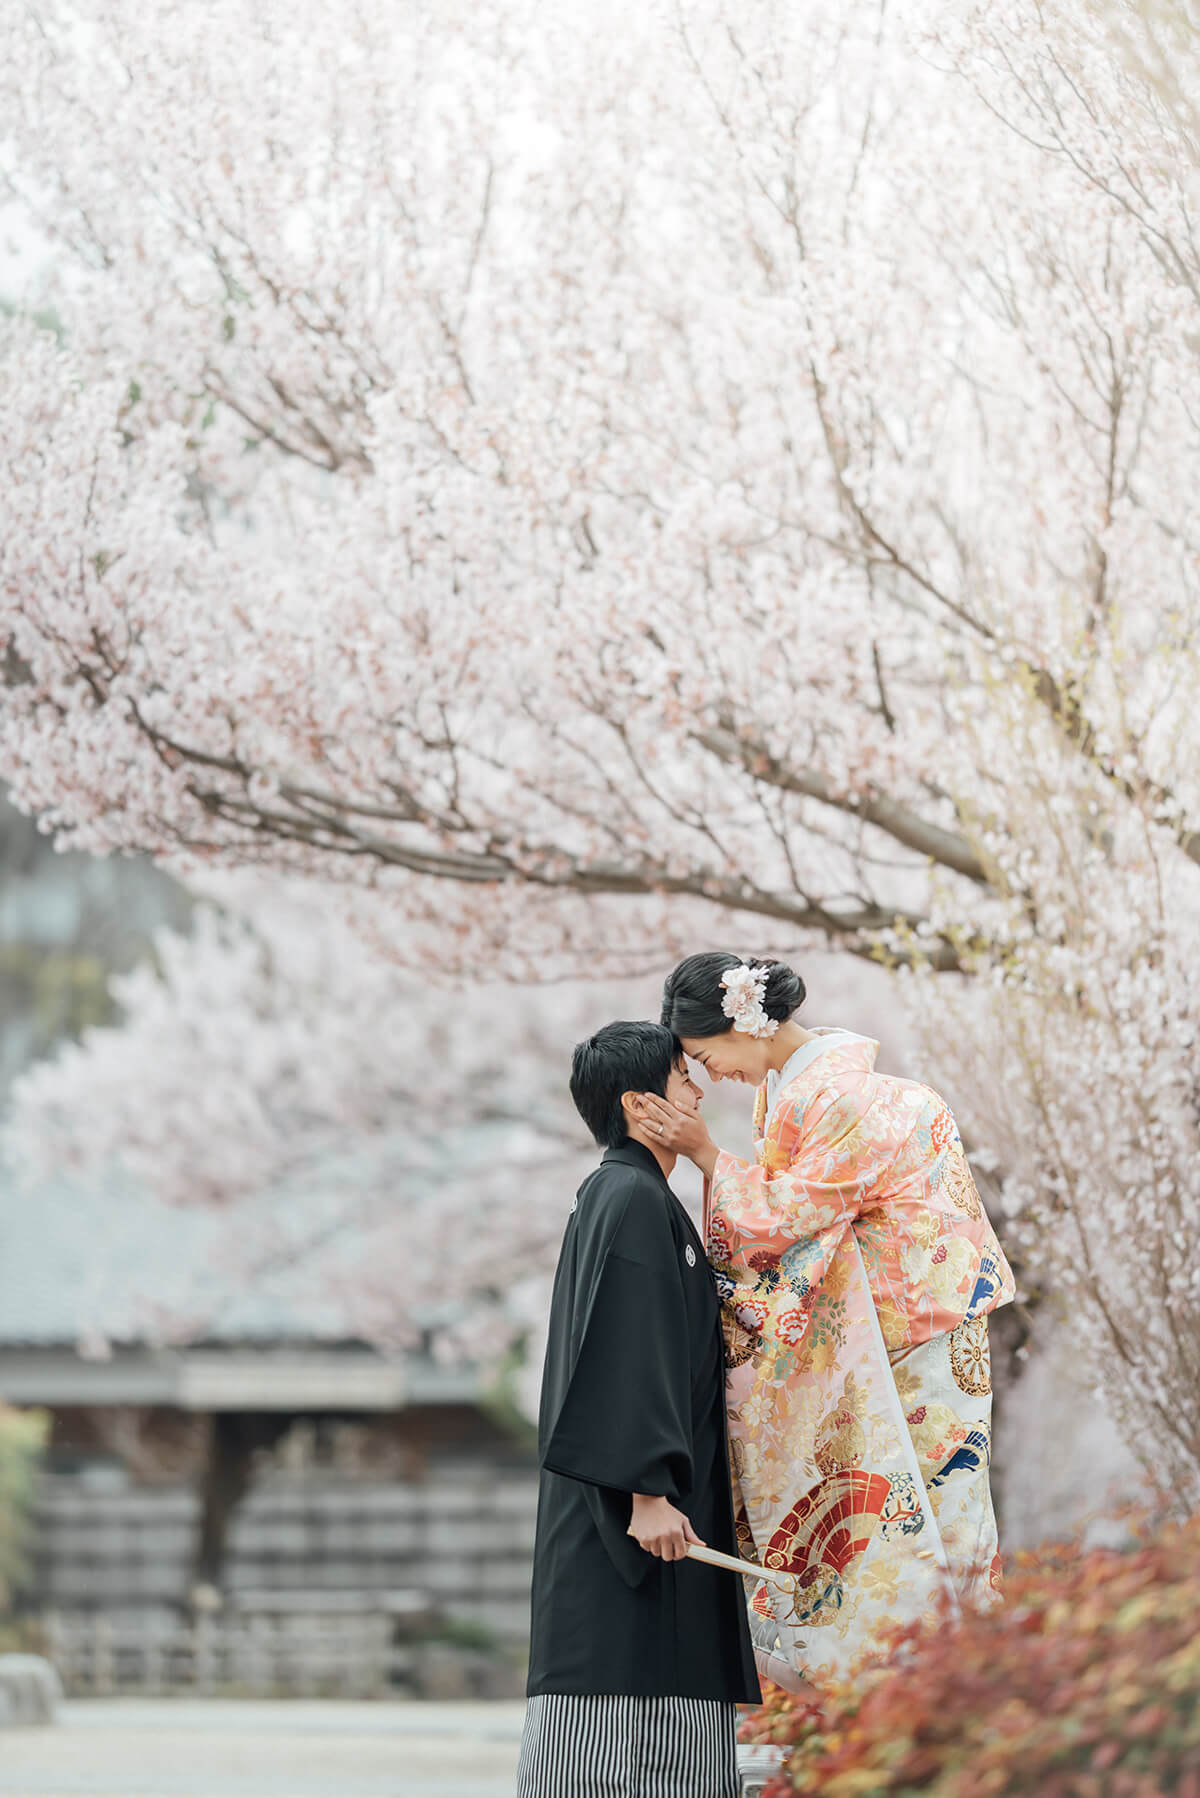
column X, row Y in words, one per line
column 618, row 1059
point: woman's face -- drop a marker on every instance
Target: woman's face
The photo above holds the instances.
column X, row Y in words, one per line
column 732, row 1056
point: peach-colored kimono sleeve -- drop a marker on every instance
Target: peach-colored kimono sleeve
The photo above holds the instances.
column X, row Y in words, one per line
column 820, row 1165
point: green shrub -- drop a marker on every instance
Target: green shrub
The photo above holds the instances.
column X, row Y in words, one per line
column 22, row 1438
column 1084, row 1684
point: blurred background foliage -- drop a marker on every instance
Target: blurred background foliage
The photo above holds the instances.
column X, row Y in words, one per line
column 61, row 991
column 22, row 1439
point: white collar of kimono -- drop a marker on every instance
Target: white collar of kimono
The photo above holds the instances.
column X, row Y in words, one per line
column 796, row 1063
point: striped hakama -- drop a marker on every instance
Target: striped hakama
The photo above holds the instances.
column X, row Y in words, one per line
column 614, row 1746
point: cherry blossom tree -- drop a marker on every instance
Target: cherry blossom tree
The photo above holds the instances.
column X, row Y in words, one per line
column 574, row 487
column 417, row 1147
column 411, row 1147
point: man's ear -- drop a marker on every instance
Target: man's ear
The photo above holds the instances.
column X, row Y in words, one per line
column 634, row 1106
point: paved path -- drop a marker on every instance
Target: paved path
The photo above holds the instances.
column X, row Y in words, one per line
column 197, row 1748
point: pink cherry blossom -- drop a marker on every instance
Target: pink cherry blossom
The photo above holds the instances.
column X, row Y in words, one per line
column 571, row 488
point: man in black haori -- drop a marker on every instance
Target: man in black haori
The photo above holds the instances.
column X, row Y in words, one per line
column 638, row 1656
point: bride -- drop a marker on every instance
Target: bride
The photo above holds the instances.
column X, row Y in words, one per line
column 856, row 1268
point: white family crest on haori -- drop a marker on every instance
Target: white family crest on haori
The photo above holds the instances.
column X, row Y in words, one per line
column 745, row 988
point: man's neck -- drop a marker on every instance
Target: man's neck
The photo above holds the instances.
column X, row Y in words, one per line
column 664, row 1157
column 666, row 1161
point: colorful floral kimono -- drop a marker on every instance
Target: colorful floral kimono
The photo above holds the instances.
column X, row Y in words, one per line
column 856, row 1268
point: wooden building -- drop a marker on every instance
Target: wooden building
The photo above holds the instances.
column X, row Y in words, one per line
column 272, row 1505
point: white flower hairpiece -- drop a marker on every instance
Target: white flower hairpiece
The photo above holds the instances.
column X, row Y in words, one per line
column 745, row 989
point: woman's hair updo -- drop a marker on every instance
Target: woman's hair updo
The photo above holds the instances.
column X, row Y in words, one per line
column 693, row 994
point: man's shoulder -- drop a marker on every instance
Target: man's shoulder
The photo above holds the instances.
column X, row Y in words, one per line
column 608, row 1189
column 621, row 1202
column 616, row 1180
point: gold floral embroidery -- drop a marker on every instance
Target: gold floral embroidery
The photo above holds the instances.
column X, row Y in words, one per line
column 894, row 1324
column 971, row 1357
column 774, row 1157
column 925, row 1229
column 956, row 1178
column 907, row 1385
column 741, row 1344
column 837, row 1277
column 881, row 1578
column 757, row 1409
column 841, row 1440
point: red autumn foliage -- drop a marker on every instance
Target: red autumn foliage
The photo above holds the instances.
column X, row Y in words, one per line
column 1085, row 1684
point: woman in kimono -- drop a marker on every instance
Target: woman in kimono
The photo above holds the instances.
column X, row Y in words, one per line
column 856, row 1268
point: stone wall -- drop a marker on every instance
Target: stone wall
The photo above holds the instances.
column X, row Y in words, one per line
column 447, row 1559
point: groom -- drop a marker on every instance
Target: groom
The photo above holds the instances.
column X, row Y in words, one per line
column 638, row 1656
